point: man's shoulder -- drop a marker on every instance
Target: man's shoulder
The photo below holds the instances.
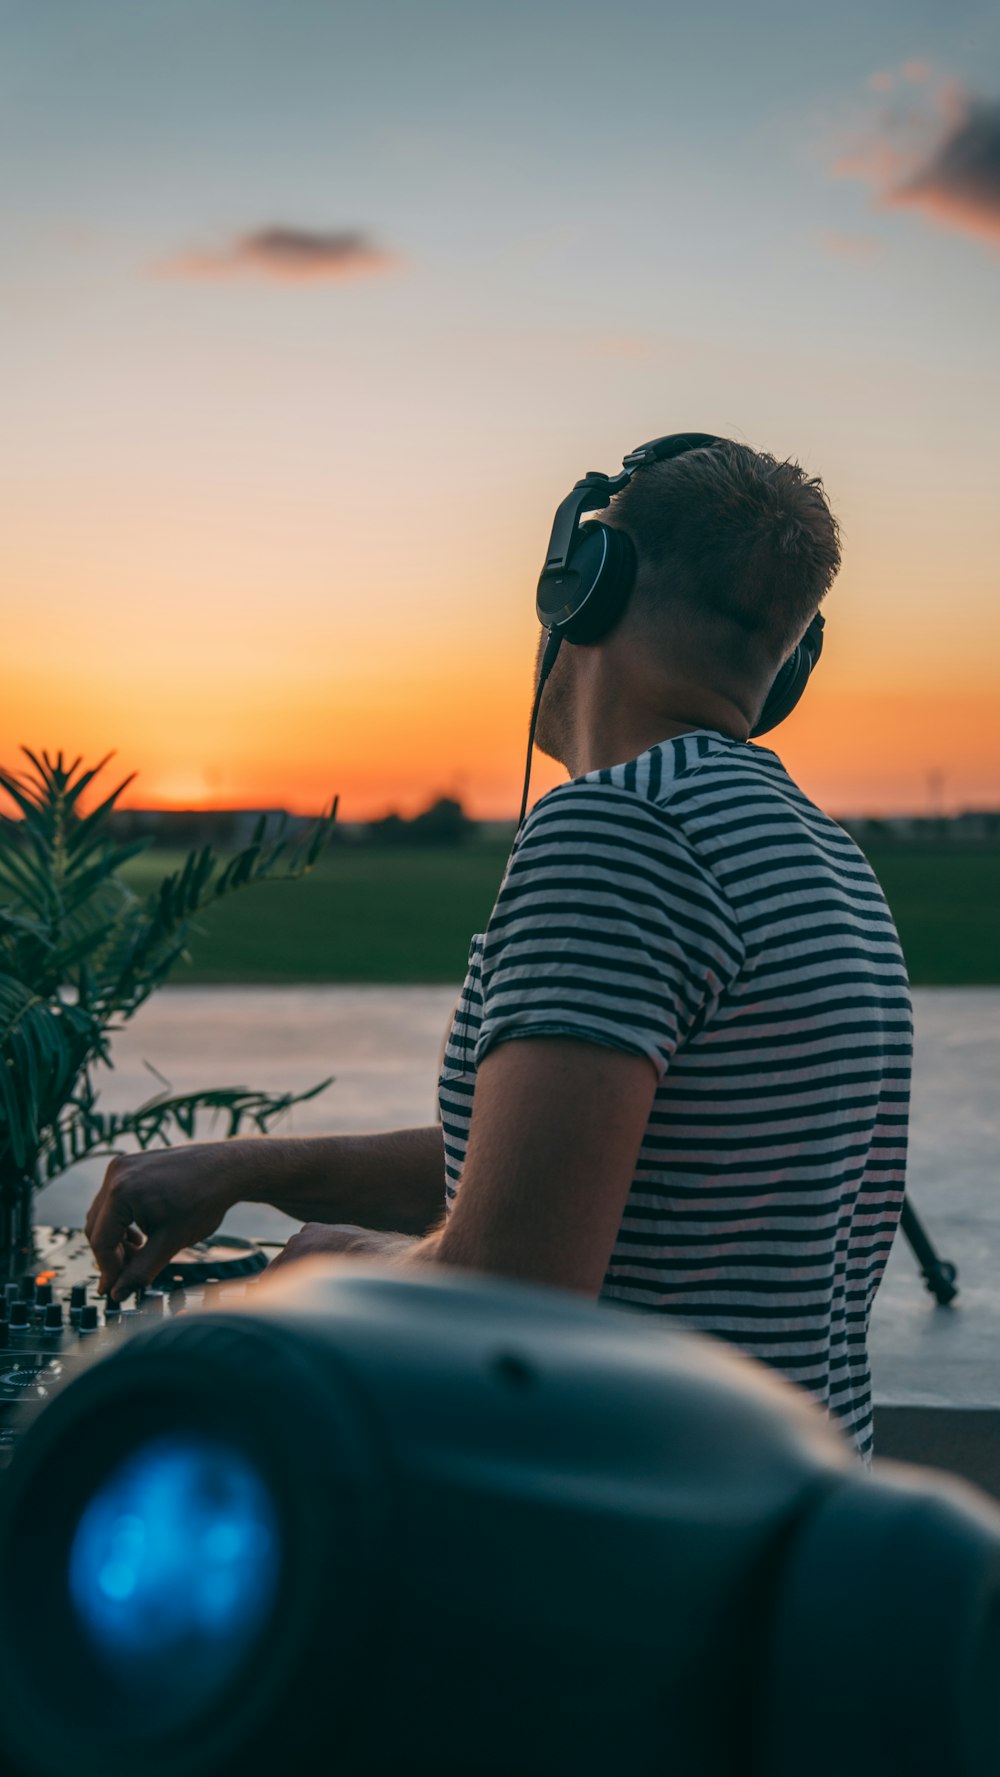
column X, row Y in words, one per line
column 595, row 821
column 598, row 801
column 662, row 783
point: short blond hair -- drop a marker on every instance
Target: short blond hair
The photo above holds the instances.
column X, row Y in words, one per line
column 733, row 534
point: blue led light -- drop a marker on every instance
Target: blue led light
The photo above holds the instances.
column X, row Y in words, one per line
column 174, row 1565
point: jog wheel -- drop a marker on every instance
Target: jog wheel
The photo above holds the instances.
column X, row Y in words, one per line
column 222, row 1259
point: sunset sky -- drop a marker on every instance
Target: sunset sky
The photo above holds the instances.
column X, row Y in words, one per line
column 312, row 313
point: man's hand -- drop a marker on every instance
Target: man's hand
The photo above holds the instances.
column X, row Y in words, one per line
column 150, row 1205
column 320, row 1239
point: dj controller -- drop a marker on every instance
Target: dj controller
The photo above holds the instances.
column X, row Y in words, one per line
column 53, row 1323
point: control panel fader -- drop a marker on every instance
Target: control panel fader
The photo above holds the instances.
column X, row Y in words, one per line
column 53, row 1323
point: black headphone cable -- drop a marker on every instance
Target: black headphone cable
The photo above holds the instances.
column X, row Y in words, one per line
column 548, row 662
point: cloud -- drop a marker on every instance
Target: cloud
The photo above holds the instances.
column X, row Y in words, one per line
column 959, row 184
column 283, row 254
column 940, row 157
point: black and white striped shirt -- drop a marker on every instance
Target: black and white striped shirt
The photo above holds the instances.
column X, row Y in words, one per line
column 694, row 906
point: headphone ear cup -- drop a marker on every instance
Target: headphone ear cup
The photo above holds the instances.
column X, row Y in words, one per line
column 791, row 679
column 615, row 563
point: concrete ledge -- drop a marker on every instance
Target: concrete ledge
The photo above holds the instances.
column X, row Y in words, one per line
column 961, row 1440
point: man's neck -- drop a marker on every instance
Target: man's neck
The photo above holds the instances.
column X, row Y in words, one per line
column 613, row 735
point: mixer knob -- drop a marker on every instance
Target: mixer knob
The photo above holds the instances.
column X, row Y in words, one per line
column 3, row 1310
column 78, row 1295
column 88, row 1317
column 112, row 1309
column 11, row 1292
column 178, row 1301
column 27, row 1288
column 17, row 1316
column 43, row 1295
column 4, row 1335
column 53, row 1318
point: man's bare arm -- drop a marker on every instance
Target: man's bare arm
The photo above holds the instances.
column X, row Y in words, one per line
column 557, row 1125
column 152, row 1204
column 392, row 1180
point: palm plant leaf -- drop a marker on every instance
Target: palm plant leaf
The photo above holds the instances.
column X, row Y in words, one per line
column 43, row 1047
column 80, row 952
column 85, row 1131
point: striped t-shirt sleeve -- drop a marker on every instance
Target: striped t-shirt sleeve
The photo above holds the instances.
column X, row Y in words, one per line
column 608, row 927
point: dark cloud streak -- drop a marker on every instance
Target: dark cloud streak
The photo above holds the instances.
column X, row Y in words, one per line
column 960, row 182
column 284, row 254
column 941, row 158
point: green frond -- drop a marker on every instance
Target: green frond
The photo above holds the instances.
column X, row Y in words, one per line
column 88, row 825
column 80, row 952
column 85, row 1131
column 43, row 1047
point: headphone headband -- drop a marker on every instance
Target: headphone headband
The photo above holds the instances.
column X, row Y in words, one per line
column 590, row 569
column 563, row 591
column 673, row 445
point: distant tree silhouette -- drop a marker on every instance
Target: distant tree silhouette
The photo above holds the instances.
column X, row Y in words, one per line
column 443, row 823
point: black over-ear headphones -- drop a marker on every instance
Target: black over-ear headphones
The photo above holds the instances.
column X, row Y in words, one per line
column 590, row 570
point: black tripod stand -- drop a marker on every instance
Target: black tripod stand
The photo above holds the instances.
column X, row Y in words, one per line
column 940, row 1276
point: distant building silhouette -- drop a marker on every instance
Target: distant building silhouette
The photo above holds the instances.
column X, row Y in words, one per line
column 445, row 823
column 180, row 828
column 974, row 827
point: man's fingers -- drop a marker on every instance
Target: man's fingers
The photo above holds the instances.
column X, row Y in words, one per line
column 143, row 1264
column 113, row 1219
column 131, row 1241
column 286, row 1256
column 111, row 1175
column 106, row 1274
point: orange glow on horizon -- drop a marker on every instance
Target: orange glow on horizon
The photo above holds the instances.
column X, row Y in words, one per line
column 383, row 682
column 853, row 752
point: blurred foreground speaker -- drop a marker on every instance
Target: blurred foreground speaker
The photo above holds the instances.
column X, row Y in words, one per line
column 440, row 1525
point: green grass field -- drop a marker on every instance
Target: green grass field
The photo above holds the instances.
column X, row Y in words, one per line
column 365, row 913
column 370, row 913
column 946, row 904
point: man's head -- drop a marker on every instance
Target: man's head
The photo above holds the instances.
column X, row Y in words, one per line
column 735, row 551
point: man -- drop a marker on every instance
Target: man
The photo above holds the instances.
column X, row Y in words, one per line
column 678, row 1075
